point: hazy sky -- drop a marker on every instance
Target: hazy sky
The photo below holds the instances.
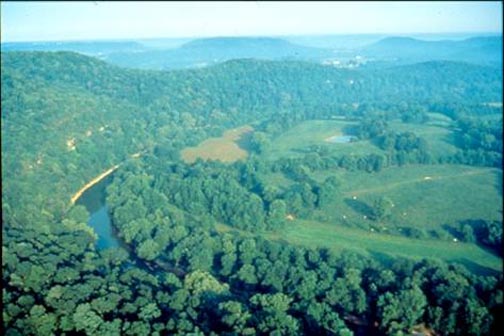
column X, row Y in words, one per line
column 37, row 21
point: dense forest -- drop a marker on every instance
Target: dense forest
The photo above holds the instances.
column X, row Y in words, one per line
column 66, row 118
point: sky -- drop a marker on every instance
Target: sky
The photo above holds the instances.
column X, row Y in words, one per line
column 52, row 21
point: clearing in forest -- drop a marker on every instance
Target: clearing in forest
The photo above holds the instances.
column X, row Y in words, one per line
column 338, row 238
column 424, row 196
column 225, row 148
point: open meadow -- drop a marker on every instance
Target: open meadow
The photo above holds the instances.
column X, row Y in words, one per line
column 225, row 148
column 298, row 139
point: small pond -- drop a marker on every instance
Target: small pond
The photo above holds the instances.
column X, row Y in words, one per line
column 340, row 139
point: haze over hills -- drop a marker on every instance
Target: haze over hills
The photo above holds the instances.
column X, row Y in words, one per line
column 485, row 50
column 93, row 48
column 343, row 51
column 203, row 52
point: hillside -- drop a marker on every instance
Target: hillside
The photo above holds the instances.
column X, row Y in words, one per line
column 204, row 52
column 257, row 243
column 93, row 48
column 479, row 50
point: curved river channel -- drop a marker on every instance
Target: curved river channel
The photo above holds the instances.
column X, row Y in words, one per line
column 94, row 201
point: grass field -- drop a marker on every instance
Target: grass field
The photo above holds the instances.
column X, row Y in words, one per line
column 314, row 234
column 338, row 238
column 315, row 132
column 225, row 148
column 424, row 196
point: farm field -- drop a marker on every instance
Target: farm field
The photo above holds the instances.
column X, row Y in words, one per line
column 424, row 196
column 315, row 132
column 439, row 138
column 336, row 237
column 225, row 148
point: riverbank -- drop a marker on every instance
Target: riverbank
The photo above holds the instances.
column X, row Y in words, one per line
column 91, row 183
column 100, row 177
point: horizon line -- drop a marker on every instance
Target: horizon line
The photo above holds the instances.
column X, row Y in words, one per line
column 120, row 39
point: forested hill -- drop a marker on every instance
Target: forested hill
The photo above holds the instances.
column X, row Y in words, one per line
column 478, row 50
column 85, row 47
column 52, row 99
column 204, row 52
column 267, row 78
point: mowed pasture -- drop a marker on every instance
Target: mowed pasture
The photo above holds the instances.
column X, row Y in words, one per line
column 424, row 196
column 225, row 148
column 440, row 139
column 296, row 141
column 338, row 238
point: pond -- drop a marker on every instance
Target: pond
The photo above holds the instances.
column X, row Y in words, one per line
column 340, row 139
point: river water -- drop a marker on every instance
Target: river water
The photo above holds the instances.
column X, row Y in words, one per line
column 94, row 199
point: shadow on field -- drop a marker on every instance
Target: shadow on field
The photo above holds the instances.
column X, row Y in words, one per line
column 244, row 141
column 476, row 268
column 498, row 182
column 452, row 231
column 384, row 258
column 359, row 206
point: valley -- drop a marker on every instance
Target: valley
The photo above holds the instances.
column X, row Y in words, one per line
column 284, row 196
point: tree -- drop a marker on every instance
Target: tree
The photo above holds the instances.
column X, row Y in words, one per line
column 259, row 142
column 86, row 319
column 397, row 312
column 468, row 233
column 149, row 312
column 148, row 250
column 382, row 208
column 276, row 214
column 41, row 322
column 271, row 313
column 247, row 274
column 325, row 318
column 198, row 282
column 235, row 316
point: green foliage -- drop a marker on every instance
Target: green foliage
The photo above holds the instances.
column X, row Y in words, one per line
column 86, row 319
column 66, row 118
column 382, row 208
column 401, row 311
column 148, row 250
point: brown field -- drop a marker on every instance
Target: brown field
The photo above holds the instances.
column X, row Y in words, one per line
column 224, row 148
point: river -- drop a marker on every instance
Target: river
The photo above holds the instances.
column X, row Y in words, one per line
column 94, row 199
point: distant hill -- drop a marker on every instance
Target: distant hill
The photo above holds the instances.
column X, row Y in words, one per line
column 479, row 50
column 203, row 52
column 94, row 48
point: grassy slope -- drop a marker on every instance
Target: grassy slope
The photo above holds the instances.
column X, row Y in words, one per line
column 225, row 148
column 314, row 132
column 314, row 234
column 453, row 193
column 336, row 237
column 450, row 194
